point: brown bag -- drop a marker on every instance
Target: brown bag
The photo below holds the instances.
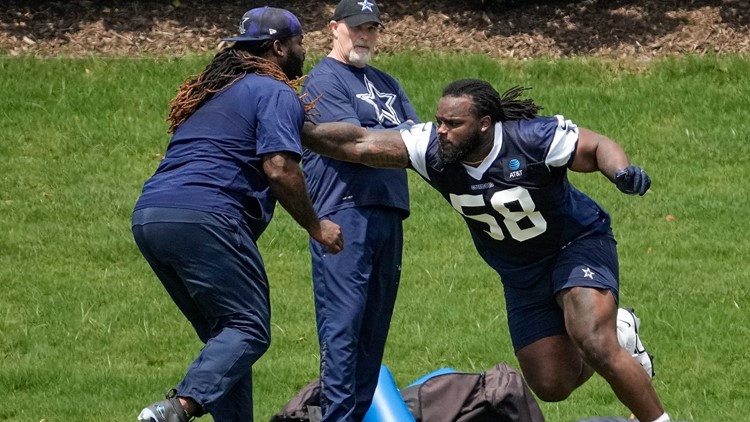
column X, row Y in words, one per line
column 304, row 407
column 497, row 395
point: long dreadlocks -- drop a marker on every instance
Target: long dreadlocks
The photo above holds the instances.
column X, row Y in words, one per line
column 228, row 66
column 487, row 101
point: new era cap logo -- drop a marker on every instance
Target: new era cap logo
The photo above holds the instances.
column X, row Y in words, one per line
column 271, row 31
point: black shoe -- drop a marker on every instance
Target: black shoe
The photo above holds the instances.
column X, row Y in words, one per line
column 168, row 410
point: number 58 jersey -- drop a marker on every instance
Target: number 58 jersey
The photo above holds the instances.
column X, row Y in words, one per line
column 518, row 203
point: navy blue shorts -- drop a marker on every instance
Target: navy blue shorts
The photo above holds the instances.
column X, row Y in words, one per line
column 533, row 312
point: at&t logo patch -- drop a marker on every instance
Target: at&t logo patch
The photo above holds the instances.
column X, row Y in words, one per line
column 514, row 168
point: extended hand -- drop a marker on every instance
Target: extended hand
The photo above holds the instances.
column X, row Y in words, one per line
column 330, row 236
column 632, row 180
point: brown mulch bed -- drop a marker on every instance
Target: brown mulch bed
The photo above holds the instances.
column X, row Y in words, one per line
column 522, row 29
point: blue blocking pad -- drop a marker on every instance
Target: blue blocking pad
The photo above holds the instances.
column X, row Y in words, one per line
column 387, row 403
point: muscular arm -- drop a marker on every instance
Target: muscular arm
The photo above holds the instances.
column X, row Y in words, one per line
column 287, row 184
column 598, row 152
column 347, row 142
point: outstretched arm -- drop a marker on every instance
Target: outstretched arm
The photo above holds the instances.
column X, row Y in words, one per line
column 596, row 152
column 348, row 142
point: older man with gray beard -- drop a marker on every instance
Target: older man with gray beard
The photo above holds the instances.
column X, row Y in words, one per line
column 355, row 294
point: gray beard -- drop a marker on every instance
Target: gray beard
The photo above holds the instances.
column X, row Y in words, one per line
column 359, row 60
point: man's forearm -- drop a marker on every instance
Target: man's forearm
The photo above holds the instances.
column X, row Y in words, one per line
column 293, row 197
column 287, row 183
column 610, row 157
column 335, row 140
column 347, row 142
column 596, row 152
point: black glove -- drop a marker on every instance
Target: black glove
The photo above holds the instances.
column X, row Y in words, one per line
column 632, row 180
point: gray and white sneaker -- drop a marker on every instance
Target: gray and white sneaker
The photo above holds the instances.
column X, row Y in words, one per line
column 628, row 329
column 168, row 410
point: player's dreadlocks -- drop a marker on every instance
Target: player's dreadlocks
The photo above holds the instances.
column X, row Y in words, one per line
column 487, row 101
column 228, row 66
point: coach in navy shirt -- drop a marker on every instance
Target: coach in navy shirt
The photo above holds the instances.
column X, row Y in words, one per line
column 355, row 291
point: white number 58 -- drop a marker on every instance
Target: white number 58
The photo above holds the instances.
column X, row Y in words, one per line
column 499, row 202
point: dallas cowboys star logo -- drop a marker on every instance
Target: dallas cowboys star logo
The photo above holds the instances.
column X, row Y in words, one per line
column 242, row 25
column 366, row 5
column 387, row 111
column 588, row 273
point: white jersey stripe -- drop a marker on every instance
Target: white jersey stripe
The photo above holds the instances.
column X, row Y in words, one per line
column 563, row 144
column 416, row 139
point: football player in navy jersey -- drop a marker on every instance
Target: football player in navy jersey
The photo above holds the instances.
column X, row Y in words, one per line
column 504, row 169
column 234, row 153
column 355, row 291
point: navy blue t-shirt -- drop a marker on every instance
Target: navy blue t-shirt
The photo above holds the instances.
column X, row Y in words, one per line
column 214, row 160
column 518, row 203
column 365, row 97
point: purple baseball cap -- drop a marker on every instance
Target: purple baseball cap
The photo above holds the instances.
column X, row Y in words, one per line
column 267, row 23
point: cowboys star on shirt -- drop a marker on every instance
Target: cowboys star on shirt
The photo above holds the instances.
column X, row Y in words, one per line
column 387, row 99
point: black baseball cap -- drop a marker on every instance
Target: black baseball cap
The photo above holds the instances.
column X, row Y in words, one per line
column 267, row 23
column 357, row 12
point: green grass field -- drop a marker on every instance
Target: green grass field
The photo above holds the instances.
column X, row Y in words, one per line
column 88, row 333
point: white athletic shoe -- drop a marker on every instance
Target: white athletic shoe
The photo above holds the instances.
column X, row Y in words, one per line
column 628, row 328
